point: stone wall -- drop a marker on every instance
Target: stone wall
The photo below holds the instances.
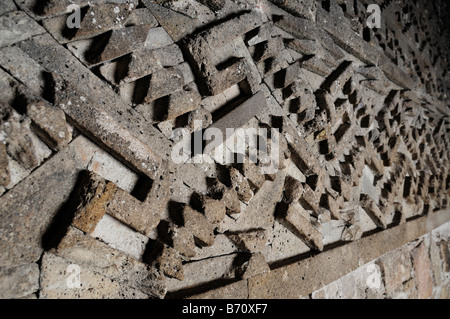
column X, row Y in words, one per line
column 419, row 269
column 101, row 195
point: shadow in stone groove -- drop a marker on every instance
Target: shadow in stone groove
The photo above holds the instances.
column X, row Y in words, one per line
column 176, row 212
column 48, row 91
column 39, row 6
column 63, row 218
column 191, row 291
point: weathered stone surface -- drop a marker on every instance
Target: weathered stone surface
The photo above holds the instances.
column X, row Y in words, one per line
column 253, row 266
column 98, row 257
column 19, row 138
column 222, row 246
column 445, row 254
column 164, row 82
column 94, row 119
column 291, row 217
column 95, row 195
column 166, row 259
column 103, row 17
column 120, row 43
column 52, row 183
column 176, row 24
column 198, row 225
column 396, row 268
column 214, row 5
column 56, row 274
column 373, row 211
column 54, row 58
column 228, row 195
column 213, row 209
column 203, row 47
column 139, row 215
column 120, row 236
column 179, row 238
column 23, row 68
column 260, row 212
column 309, row 200
column 8, row 5
column 301, row 28
column 353, row 232
column 5, row 178
column 302, row 8
column 16, row 26
column 51, row 122
column 422, row 270
column 143, row 62
column 341, row 33
column 182, row 102
column 253, row 173
column 240, row 184
column 252, row 241
column 201, row 272
column 60, row 6
column 242, row 114
column 303, row 159
column 361, row 111
column 19, row 281
column 141, row 16
column 336, row 81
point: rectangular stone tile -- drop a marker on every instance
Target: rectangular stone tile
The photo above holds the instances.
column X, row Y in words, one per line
column 120, row 42
column 299, row 27
column 59, row 277
column 19, row 281
column 16, row 26
column 37, row 200
column 337, row 26
column 94, row 194
column 396, row 268
column 242, row 114
column 90, row 253
column 98, row 122
column 23, row 68
column 50, row 122
column 120, row 236
column 203, row 271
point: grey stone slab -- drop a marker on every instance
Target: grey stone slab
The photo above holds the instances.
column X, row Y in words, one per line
column 37, row 200
column 19, row 281
column 59, row 277
column 16, row 26
column 95, row 255
column 242, row 114
column 7, row 6
column 23, row 68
